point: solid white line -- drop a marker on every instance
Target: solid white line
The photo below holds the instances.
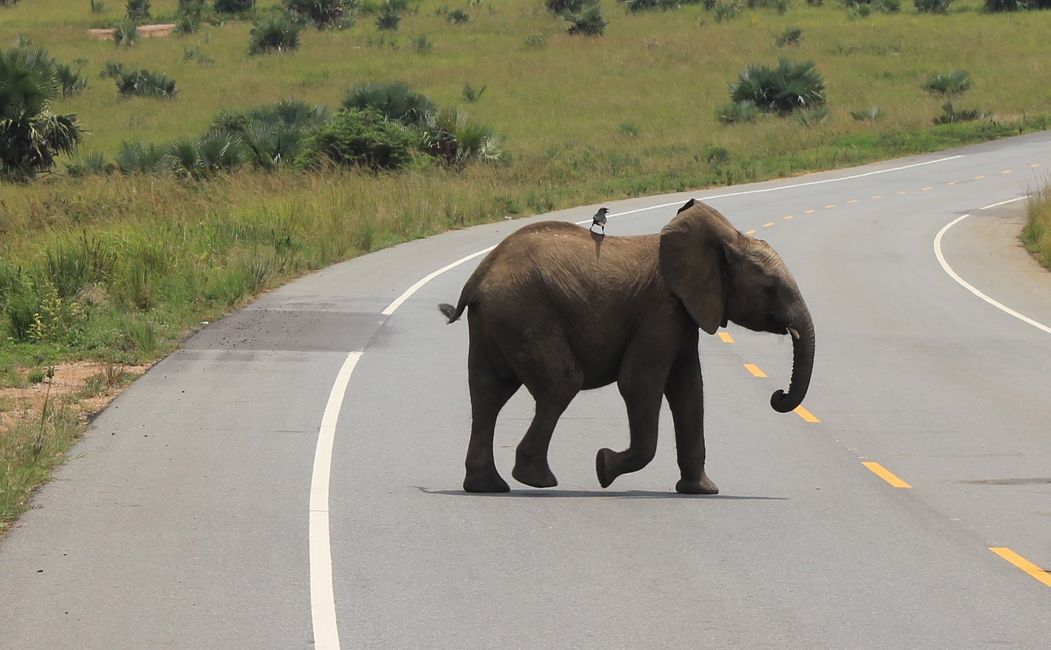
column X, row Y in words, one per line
column 996, row 205
column 322, row 598
column 391, row 308
column 965, row 285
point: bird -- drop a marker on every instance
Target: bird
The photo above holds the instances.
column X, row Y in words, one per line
column 599, row 220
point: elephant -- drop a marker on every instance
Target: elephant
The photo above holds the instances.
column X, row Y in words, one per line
column 561, row 310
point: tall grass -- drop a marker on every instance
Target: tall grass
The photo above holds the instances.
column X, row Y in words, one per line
column 1036, row 235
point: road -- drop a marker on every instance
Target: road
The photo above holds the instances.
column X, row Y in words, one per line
column 200, row 511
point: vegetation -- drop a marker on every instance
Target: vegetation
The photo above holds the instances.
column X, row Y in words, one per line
column 143, row 83
column 951, row 83
column 786, row 88
column 1036, row 235
column 170, row 217
column 933, row 6
column 274, row 32
column 324, row 14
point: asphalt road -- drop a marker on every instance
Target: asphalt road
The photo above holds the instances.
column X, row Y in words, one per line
column 186, row 517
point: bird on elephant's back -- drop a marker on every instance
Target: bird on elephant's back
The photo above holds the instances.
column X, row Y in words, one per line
column 560, row 309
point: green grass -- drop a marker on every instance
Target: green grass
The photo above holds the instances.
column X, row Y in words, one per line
column 119, row 268
column 1036, row 235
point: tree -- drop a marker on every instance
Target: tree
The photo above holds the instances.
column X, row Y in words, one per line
column 31, row 135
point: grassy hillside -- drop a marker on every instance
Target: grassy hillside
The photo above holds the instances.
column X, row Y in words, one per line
column 120, row 267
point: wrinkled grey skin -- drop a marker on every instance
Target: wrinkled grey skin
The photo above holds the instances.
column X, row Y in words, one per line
column 559, row 310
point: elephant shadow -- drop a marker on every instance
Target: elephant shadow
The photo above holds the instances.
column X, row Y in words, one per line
column 595, row 494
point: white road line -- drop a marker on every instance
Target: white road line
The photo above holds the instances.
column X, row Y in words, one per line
column 391, row 308
column 322, row 598
column 996, row 205
column 965, row 285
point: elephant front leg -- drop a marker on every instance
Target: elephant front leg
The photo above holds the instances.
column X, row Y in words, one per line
column 685, row 393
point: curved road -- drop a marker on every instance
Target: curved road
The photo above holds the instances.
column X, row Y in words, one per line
column 194, row 514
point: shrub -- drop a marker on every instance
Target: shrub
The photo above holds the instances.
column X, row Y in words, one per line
column 952, row 114
column 97, row 6
column 560, row 7
column 395, row 101
column 215, row 152
column 31, row 136
column 388, row 20
column 471, row 94
column 998, row 6
column 869, row 114
column 143, row 83
column 422, row 45
column 450, row 135
column 588, row 22
column 951, row 83
column 125, row 34
column 138, row 9
column 274, row 32
column 324, row 14
column 635, row 6
column 457, row 17
column 737, row 112
column 137, row 158
column 932, row 6
column 360, row 137
column 188, row 16
column 93, row 164
column 111, row 69
column 233, row 6
column 725, row 11
column 790, row 36
column 788, row 87
column 717, row 156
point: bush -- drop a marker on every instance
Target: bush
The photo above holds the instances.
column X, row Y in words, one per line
column 725, row 11
column 360, row 137
column 31, row 136
column 272, row 134
column 560, row 7
column 388, row 20
column 215, row 152
column 870, row 114
column 111, row 69
column 395, row 101
column 233, row 6
column 450, row 135
column 932, row 6
column 471, row 94
column 790, row 36
column 143, row 83
column 788, row 87
column 952, row 114
column 588, row 23
column 998, row 6
column 324, row 14
column 952, row 83
column 188, row 16
column 125, row 34
column 93, row 164
column 137, row 158
column 457, row 17
column 138, row 9
column 737, row 112
column 274, row 32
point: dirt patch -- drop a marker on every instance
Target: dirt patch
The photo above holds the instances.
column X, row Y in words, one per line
column 87, row 387
column 145, row 31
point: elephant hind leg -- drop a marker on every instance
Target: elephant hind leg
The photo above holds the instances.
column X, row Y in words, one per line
column 489, row 393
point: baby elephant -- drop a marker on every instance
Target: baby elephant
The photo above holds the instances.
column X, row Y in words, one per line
column 561, row 310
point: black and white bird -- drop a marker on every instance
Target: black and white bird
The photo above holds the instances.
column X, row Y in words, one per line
column 599, row 220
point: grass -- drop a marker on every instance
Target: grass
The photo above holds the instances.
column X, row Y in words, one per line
column 138, row 261
column 1036, row 235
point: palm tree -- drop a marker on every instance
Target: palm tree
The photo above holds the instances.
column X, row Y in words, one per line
column 31, row 136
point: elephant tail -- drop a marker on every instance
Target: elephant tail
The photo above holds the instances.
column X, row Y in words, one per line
column 452, row 313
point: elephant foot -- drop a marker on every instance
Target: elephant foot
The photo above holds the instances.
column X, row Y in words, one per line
column 703, row 486
column 485, row 482
column 603, row 459
column 535, row 473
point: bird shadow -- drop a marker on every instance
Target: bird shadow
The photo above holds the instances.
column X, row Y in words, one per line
column 596, row 494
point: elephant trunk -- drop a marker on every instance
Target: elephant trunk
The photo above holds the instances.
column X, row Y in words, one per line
column 802, row 366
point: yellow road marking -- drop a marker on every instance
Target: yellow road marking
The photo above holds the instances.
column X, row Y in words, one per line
column 755, row 370
column 951, row 183
column 1006, row 172
column 978, row 178
column 1032, row 165
column 725, row 336
column 750, row 233
column 830, row 206
column 788, row 217
column 928, row 188
column 805, row 414
column 1025, row 565
column 877, row 197
column 810, row 211
column 885, row 474
column 903, row 191
column 852, row 201
column 768, row 225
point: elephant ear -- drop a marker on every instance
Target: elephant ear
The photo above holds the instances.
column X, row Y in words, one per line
column 694, row 249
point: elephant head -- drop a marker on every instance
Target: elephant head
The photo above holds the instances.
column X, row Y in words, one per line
column 721, row 275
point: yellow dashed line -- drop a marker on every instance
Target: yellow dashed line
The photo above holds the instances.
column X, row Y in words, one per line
column 1033, row 570
column 755, row 370
column 805, row 414
column 1006, row 172
column 1033, row 165
column 928, row 189
column 811, row 211
column 903, row 191
column 978, row 178
column 886, row 474
column 830, row 206
column 725, row 336
column 788, row 217
column 750, row 233
column 852, row 201
column 877, row 197
column 951, row 183
column 768, row 225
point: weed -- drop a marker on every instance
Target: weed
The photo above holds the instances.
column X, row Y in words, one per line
column 951, row 83
column 870, row 114
column 588, row 22
column 143, row 83
column 457, row 17
column 629, row 129
column 471, row 94
column 422, row 45
column 932, row 6
column 950, row 113
column 138, row 10
column 324, row 14
column 790, row 36
column 125, row 33
column 274, row 32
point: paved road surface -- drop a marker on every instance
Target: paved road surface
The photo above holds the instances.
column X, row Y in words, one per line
column 183, row 519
